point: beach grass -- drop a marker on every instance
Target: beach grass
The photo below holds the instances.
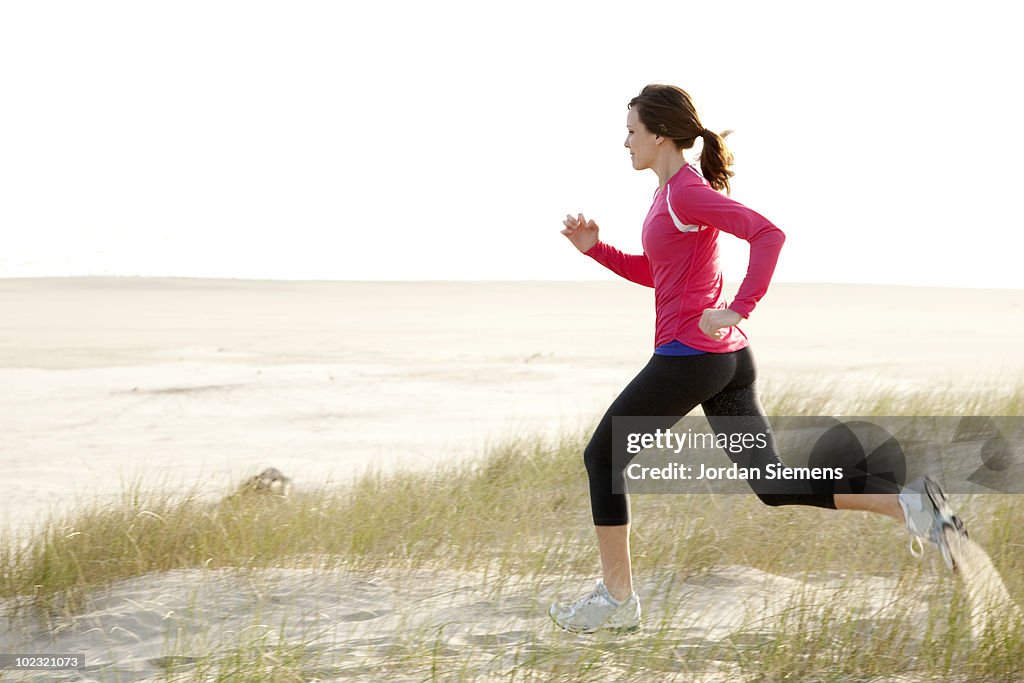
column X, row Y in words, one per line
column 521, row 513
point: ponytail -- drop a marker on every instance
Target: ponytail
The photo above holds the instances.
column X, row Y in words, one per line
column 715, row 160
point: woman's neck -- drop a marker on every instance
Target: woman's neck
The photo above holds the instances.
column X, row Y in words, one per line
column 668, row 168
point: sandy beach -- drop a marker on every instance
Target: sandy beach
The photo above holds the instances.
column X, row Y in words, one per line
column 357, row 623
column 182, row 381
column 176, row 382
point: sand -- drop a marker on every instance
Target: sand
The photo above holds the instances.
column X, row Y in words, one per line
column 378, row 626
column 177, row 381
column 181, row 381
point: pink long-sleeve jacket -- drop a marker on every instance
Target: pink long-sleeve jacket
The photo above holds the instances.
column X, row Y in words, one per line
column 680, row 259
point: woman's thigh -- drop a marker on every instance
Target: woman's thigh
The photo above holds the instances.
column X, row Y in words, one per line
column 668, row 387
column 674, row 385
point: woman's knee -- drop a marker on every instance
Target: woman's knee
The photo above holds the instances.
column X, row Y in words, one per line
column 816, row 499
column 772, row 499
column 596, row 457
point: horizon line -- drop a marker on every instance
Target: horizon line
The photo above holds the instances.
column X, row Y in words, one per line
column 470, row 281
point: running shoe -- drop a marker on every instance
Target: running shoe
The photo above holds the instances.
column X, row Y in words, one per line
column 598, row 610
column 929, row 518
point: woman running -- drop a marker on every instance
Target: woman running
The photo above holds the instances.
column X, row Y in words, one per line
column 700, row 357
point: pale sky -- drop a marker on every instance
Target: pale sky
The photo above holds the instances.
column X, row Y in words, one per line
column 441, row 140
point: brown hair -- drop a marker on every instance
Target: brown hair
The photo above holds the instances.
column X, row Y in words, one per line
column 668, row 111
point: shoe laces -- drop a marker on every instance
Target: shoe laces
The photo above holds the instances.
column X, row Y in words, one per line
column 593, row 596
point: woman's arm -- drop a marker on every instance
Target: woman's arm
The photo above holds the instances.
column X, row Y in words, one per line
column 584, row 236
column 701, row 205
column 634, row 267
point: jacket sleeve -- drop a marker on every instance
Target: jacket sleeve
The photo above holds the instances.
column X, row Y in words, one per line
column 634, row 267
column 703, row 205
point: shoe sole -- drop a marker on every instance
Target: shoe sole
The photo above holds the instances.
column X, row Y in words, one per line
column 952, row 546
column 618, row 630
column 952, row 532
column 621, row 630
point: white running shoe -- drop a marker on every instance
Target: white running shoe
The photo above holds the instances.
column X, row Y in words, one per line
column 598, row 610
column 926, row 509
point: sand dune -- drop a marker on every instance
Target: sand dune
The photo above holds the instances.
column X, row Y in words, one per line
column 179, row 381
column 352, row 624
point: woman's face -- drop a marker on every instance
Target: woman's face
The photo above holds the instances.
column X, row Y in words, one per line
column 641, row 143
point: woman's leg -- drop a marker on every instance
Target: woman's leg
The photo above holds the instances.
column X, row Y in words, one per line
column 921, row 504
column 882, row 503
column 737, row 408
column 669, row 387
column 616, row 568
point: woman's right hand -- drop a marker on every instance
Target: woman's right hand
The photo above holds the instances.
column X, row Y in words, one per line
column 581, row 232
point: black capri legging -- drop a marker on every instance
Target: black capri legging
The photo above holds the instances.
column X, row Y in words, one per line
column 723, row 384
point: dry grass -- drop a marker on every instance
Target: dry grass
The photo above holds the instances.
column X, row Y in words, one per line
column 522, row 510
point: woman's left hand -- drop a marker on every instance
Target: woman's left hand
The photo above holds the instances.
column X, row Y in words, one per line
column 714, row 321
